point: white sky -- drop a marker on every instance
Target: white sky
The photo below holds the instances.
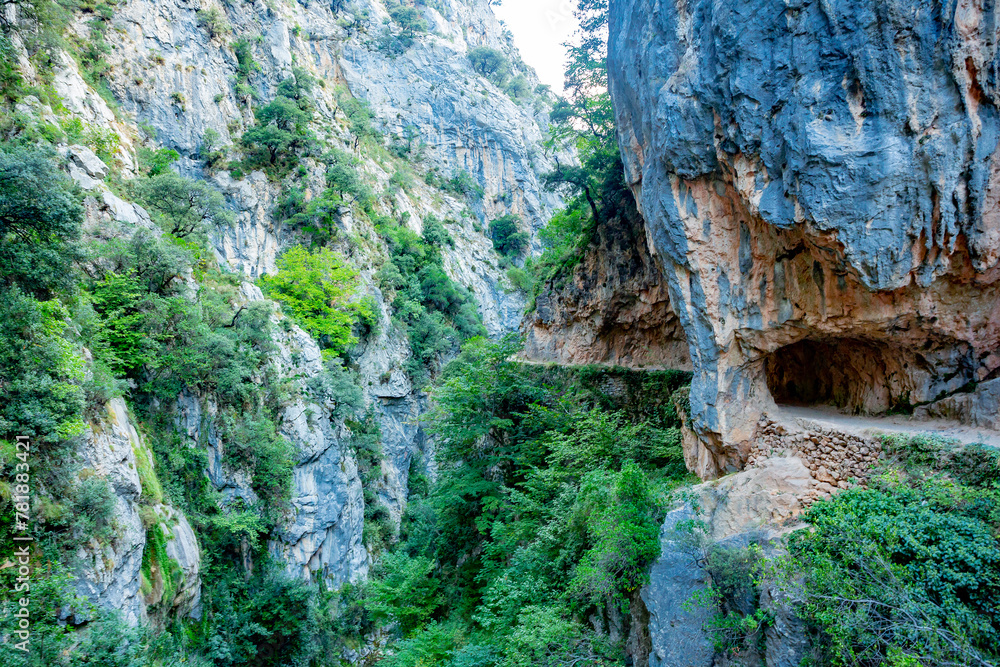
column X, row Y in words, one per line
column 540, row 27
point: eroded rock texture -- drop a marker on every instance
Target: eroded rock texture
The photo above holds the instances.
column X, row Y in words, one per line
column 613, row 307
column 820, row 183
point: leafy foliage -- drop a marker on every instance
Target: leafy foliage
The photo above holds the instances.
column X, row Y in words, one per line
column 437, row 313
column 508, row 238
column 282, row 132
column 315, row 288
column 489, row 63
column 40, row 217
column 539, row 517
column 183, row 206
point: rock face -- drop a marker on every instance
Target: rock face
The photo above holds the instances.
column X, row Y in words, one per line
column 110, row 575
column 614, row 308
column 171, row 72
column 820, row 183
column 758, row 504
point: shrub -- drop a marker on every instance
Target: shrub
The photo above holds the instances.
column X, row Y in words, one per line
column 626, row 531
column 281, row 134
column 315, row 288
column 339, row 386
column 435, row 234
column 359, row 114
column 213, row 21
column 155, row 162
column 343, row 178
column 508, row 239
column 902, row 571
column 211, row 149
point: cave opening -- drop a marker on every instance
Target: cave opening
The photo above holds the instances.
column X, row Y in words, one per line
column 853, row 374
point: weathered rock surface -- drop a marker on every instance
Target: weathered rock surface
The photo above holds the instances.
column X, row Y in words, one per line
column 110, row 575
column 820, row 184
column 758, row 505
column 980, row 407
column 182, row 547
column 613, row 308
column 172, row 74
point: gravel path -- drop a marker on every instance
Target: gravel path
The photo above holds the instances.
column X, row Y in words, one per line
column 831, row 418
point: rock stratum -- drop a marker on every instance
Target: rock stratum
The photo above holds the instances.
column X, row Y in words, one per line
column 819, row 183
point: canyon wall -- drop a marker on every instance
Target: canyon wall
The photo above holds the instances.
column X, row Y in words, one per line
column 171, row 77
column 613, row 307
column 819, row 183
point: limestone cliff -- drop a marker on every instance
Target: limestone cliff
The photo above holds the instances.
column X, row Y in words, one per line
column 613, row 307
column 819, row 184
column 172, row 76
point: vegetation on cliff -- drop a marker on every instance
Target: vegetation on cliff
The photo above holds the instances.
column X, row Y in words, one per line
column 546, row 509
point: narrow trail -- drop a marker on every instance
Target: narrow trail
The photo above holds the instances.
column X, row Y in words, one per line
column 829, row 417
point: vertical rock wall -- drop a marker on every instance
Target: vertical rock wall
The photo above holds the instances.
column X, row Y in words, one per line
column 820, row 183
column 175, row 77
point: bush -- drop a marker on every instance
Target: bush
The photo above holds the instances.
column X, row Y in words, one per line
column 282, row 131
column 508, row 239
column 343, row 177
column 154, row 162
column 359, row 114
column 315, row 290
column 902, row 571
column 40, row 396
column 211, row 149
column 213, row 21
column 338, row 385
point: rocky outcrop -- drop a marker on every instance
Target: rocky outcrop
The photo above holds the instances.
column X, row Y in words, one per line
column 174, row 74
column 979, row 407
column 110, row 574
column 613, row 307
column 757, row 505
column 820, row 184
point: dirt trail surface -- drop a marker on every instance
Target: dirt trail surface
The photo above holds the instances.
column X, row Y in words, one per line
column 829, row 417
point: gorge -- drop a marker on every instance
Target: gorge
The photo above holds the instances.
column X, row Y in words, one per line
column 331, row 336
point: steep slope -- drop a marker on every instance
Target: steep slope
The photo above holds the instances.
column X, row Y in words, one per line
column 819, row 183
column 431, row 143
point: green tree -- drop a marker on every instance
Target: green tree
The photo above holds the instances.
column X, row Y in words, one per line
column 183, row 206
column 411, row 23
column 407, row 593
column 315, row 289
column 489, row 63
column 508, row 238
column 124, row 342
column 40, row 218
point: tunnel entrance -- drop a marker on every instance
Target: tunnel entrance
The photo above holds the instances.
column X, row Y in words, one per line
column 853, row 374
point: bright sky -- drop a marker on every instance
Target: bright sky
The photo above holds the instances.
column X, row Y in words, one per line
column 540, row 27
